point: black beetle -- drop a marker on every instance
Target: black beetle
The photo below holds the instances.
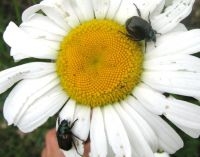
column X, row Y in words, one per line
column 139, row 29
column 65, row 135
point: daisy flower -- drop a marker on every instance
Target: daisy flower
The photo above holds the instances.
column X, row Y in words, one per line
column 94, row 74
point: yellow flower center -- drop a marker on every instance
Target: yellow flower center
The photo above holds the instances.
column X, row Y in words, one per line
column 98, row 64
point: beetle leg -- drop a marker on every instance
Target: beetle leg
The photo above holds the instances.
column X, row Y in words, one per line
column 78, row 137
column 145, row 46
column 58, row 120
column 155, row 44
column 132, row 38
column 157, row 33
column 76, row 148
column 129, row 36
column 68, row 124
column 138, row 11
column 122, row 32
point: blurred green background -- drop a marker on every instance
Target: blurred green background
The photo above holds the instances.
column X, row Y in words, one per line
column 14, row 143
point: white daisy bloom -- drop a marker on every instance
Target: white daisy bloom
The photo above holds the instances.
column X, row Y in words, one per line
column 108, row 89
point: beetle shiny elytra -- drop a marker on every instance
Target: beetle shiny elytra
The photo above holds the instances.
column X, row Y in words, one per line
column 65, row 136
column 139, row 29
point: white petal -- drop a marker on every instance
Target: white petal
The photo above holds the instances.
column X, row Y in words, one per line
column 116, row 133
column 175, row 43
column 67, row 112
column 83, row 9
column 169, row 140
column 82, row 127
column 153, row 101
column 41, row 34
column 177, row 62
column 183, row 113
column 168, row 2
column 70, row 153
column 194, row 133
column 51, row 11
column 26, row 45
column 158, row 9
column 43, row 38
column 172, row 15
column 42, row 109
column 30, row 11
column 176, row 30
column 69, row 14
column 10, row 76
column 17, row 56
column 164, row 154
column 143, row 126
column 44, row 23
column 113, row 8
column 54, row 14
column 154, row 7
column 139, row 144
column 100, row 8
column 98, row 142
column 50, row 43
column 24, row 94
column 183, row 83
column 127, row 9
column 62, row 10
column 179, row 28
column 110, row 151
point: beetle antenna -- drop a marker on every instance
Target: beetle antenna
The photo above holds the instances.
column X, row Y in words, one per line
column 73, row 123
column 149, row 18
column 138, row 11
column 78, row 137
